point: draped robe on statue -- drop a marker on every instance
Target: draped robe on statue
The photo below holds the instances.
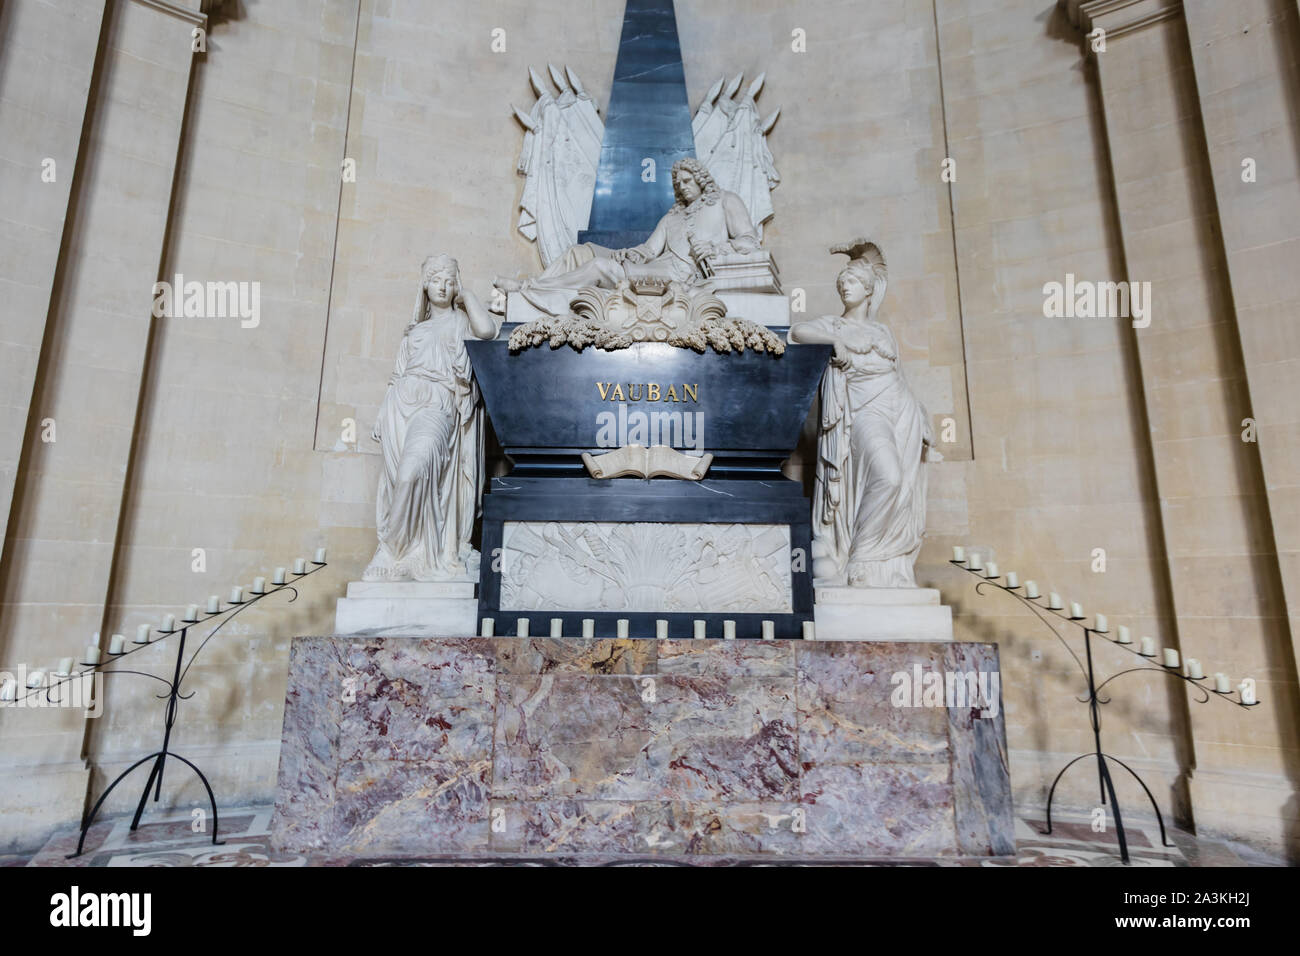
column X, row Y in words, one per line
column 869, row 513
column 667, row 253
column 431, row 430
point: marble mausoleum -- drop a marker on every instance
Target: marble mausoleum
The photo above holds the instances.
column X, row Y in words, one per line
column 658, row 377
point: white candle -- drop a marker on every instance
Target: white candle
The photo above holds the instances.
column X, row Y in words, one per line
column 1171, row 657
column 992, row 571
column 35, row 678
column 169, row 622
column 299, row 566
column 699, row 630
column 959, row 555
column 92, row 655
column 661, row 630
column 1247, row 690
column 728, row 630
column 975, row 563
column 809, row 631
column 1124, row 636
column 278, row 577
column 1221, row 683
column 142, row 634
column 1148, row 647
column 1054, row 601
column 488, row 627
column 1031, row 589
column 1101, row 626
column 1013, row 579
column 769, row 630
column 622, row 627
column 214, row 604
column 237, row 595
column 521, row 627
column 9, row 689
column 320, row 556
column 192, row 613
column 557, row 627
column 115, row 643
column 1194, row 670
column 65, row 667
column 1076, row 609
column 259, row 585
column 588, row 627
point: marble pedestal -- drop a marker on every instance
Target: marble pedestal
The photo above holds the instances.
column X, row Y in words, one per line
column 881, row 614
column 762, row 308
column 408, row 609
column 605, row 750
column 678, row 551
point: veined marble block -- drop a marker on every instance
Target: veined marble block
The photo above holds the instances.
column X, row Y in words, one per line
column 881, row 614
column 645, row 566
column 408, row 609
column 539, row 748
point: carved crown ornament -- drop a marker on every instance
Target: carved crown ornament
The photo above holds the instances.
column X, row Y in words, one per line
column 649, row 309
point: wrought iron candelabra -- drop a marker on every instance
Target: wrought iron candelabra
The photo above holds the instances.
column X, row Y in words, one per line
column 172, row 695
column 1094, row 700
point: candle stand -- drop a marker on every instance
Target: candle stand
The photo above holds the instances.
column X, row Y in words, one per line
column 173, row 697
column 1094, row 700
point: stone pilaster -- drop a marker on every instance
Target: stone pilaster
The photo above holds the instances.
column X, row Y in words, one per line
column 63, row 528
column 1214, row 505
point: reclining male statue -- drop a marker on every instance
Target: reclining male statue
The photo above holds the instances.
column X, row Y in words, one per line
column 705, row 221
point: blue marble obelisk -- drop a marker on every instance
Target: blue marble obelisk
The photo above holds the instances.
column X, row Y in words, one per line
column 648, row 118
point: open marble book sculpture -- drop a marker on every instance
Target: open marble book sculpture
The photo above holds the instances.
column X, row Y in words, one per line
column 657, row 461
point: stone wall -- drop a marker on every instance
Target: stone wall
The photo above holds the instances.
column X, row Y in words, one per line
column 64, row 530
column 1070, row 434
column 1062, row 463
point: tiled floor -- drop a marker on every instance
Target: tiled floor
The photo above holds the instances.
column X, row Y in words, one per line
column 172, row 841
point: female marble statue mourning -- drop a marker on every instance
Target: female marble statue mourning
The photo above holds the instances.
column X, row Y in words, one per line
column 869, row 502
column 430, row 428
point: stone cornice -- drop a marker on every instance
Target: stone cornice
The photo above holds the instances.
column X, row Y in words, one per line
column 1118, row 17
column 193, row 11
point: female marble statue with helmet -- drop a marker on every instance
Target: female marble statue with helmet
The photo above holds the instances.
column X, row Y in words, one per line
column 430, row 430
column 874, row 436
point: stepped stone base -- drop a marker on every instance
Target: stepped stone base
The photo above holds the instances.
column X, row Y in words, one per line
column 881, row 614
column 408, row 609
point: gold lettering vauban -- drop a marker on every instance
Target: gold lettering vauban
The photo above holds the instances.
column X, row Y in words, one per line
column 647, row 392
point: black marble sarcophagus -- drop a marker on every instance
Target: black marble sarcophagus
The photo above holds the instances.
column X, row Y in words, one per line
column 558, row 543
